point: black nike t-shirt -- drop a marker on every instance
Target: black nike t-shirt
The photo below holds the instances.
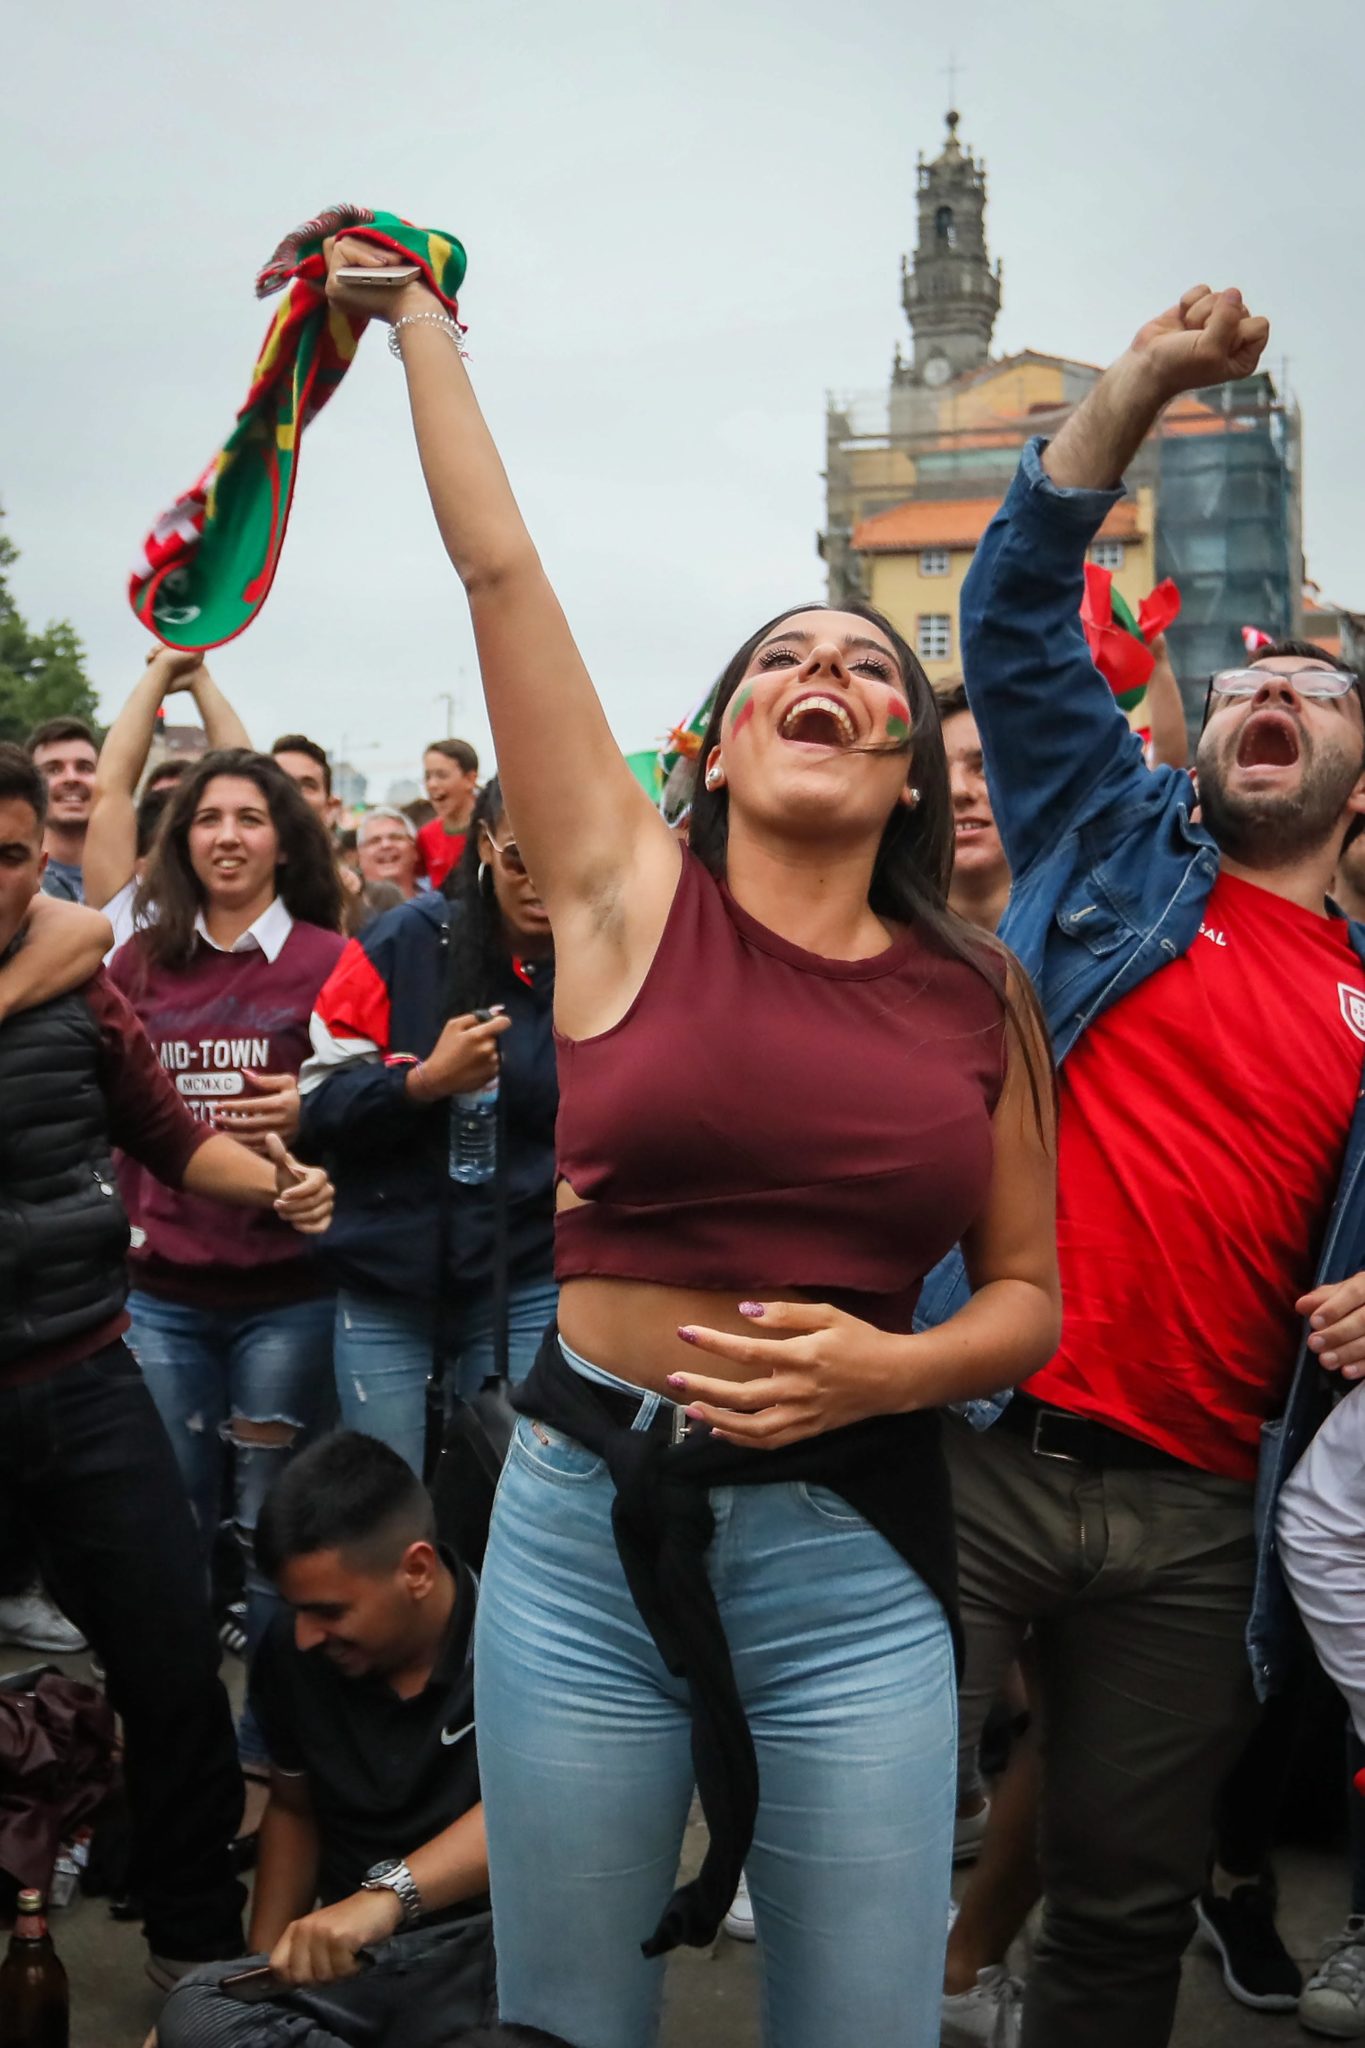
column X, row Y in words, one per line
column 385, row 1774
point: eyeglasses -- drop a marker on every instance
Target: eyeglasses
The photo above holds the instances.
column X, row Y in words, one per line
column 510, row 855
column 1319, row 685
column 1237, row 683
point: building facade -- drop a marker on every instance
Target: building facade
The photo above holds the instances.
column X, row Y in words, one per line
column 914, row 474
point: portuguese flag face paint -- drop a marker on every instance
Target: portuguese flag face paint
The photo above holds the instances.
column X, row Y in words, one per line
column 898, row 721
column 206, row 567
column 742, row 710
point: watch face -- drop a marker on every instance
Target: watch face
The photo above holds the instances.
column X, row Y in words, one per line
column 384, row 1869
column 937, row 370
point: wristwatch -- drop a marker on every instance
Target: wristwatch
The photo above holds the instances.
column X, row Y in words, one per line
column 393, row 1875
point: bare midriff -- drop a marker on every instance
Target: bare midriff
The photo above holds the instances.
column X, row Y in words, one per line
column 630, row 1327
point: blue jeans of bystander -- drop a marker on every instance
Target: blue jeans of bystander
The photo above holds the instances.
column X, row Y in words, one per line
column 383, row 1355
column 209, row 1370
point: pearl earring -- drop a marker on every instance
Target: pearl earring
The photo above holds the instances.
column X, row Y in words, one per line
column 914, row 794
column 715, row 777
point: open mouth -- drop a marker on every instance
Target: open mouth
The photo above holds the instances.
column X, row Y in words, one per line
column 818, row 721
column 968, row 828
column 1269, row 739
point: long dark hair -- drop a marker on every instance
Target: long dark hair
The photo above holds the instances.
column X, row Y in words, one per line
column 480, row 945
column 170, row 896
column 914, row 863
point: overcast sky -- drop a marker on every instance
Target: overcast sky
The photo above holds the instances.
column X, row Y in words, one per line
column 684, row 225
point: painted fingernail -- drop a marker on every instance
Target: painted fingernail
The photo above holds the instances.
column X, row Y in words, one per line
column 694, row 1413
column 675, row 1379
column 688, row 1336
column 753, row 1309
column 1329, row 1358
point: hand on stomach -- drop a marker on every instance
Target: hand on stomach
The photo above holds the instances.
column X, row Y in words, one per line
column 804, row 1366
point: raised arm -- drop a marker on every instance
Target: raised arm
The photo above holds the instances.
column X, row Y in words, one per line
column 111, row 836
column 1051, row 731
column 1166, row 712
column 601, row 856
column 222, row 725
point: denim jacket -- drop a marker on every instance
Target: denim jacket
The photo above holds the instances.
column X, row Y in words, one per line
column 1111, row 876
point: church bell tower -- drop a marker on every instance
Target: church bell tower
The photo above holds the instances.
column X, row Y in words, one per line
column 950, row 293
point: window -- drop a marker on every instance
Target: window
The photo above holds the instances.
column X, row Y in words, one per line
column 934, row 636
column 1107, row 554
column 945, row 231
column 933, row 562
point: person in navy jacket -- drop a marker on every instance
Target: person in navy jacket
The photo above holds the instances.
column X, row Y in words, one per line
column 394, row 1038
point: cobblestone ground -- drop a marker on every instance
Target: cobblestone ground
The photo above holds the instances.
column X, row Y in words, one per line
column 712, row 1994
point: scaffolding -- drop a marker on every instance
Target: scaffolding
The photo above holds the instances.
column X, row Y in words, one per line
column 1230, row 529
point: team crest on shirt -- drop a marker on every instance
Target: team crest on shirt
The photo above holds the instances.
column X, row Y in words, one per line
column 1353, row 1007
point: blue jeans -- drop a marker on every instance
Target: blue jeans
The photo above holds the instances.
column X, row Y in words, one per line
column 383, row 1355
column 209, row 1368
column 845, row 1666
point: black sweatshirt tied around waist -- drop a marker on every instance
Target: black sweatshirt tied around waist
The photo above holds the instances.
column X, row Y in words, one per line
column 889, row 1468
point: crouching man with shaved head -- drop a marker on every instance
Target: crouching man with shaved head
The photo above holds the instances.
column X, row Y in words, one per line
column 372, row 1877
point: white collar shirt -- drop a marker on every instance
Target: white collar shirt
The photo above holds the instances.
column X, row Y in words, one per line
column 266, row 935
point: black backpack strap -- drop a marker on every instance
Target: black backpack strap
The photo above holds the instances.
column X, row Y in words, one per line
column 440, row 1321
column 502, row 1274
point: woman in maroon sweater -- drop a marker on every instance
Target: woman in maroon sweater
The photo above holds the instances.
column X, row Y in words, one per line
column 232, row 1318
column 790, row 1079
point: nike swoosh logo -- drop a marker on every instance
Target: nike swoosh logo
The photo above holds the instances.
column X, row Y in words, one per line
column 450, row 1739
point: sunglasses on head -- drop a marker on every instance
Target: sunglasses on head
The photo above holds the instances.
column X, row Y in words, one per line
column 510, row 855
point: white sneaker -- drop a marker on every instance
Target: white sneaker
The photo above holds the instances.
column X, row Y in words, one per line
column 739, row 1921
column 990, row 2015
column 30, row 1622
column 969, row 1832
column 1333, row 2001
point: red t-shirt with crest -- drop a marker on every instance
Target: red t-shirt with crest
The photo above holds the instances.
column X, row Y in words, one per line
column 1203, row 1124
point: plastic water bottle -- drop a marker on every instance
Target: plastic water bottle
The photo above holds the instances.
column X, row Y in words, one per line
column 474, row 1135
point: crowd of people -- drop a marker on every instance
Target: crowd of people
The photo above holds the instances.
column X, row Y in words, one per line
column 914, row 1200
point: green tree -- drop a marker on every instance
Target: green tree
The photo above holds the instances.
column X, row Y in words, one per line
column 42, row 675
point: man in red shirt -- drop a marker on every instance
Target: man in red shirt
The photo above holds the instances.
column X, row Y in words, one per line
column 87, row 1475
column 1211, row 1064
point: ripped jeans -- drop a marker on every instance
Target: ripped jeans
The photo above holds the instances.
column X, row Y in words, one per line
column 220, row 1376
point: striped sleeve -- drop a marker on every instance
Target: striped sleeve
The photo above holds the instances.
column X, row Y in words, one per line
column 351, row 1018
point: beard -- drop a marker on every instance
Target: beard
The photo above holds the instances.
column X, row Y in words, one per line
column 1264, row 829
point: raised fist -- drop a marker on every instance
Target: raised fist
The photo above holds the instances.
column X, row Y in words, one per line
column 1209, row 338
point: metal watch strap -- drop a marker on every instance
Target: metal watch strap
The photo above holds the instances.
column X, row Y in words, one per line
column 395, row 1877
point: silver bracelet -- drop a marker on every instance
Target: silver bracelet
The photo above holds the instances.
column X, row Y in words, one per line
column 441, row 320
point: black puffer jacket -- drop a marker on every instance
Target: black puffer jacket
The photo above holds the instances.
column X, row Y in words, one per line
column 63, row 1233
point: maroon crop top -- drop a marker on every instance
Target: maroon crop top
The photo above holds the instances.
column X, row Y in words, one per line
column 765, row 1119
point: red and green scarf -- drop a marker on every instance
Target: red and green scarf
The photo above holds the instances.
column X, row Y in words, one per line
column 1119, row 643
column 207, row 565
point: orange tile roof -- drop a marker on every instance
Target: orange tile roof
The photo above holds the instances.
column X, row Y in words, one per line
column 998, row 364
column 959, row 523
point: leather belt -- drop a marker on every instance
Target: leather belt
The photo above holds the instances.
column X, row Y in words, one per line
column 1057, row 1433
